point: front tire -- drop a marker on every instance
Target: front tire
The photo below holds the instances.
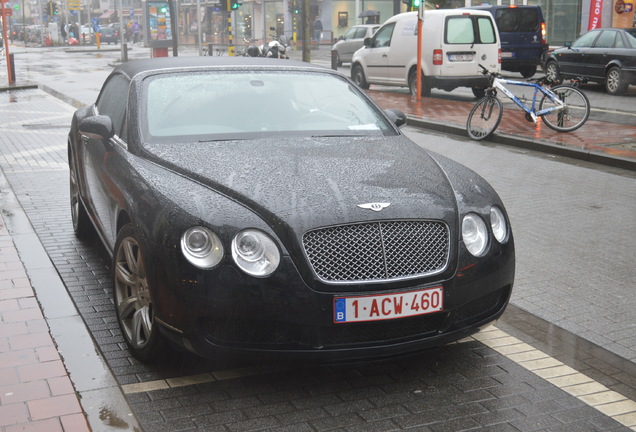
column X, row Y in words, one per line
column 357, row 75
column 575, row 113
column 552, row 72
column 615, row 83
column 133, row 298
column 81, row 222
column 484, row 118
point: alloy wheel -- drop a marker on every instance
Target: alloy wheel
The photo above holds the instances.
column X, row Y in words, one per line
column 133, row 302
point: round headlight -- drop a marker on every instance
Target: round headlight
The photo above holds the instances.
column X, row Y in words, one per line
column 255, row 253
column 475, row 234
column 498, row 224
column 201, row 247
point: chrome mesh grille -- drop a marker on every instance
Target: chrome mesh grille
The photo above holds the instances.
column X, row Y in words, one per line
column 378, row 250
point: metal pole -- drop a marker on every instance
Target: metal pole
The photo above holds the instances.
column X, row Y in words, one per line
column 306, row 24
column 199, row 26
column 420, row 20
column 6, row 46
column 122, row 36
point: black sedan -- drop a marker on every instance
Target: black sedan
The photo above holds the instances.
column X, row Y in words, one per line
column 258, row 207
column 109, row 35
column 606, row 55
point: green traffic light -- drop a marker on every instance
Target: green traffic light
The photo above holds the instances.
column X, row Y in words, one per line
column 416, row 3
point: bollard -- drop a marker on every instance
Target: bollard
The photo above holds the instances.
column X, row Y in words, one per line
column 210, row 49
column 334, row 59
column 124, row 53
column 12, row 66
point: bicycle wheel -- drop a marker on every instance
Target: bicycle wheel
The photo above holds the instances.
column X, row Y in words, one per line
column 484, row 118
column 575, row 113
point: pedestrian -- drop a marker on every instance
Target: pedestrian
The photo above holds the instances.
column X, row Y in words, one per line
column 63, row 32
column 135, row 29
column 317, row 30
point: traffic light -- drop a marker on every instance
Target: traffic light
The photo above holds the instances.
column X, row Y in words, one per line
column 412, row 5
column 55, row 9
column 236, row 4
column 50, row 5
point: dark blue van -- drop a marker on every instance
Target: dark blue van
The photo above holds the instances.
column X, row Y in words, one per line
column 523, row 37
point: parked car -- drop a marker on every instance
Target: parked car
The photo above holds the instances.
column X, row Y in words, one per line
column 522, row 31
column 109, row 35
column 353, row 41
column 605, row 55
column 259, row 207
column 86, row 34
column 456, row 42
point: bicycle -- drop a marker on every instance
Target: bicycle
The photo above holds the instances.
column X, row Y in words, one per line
column 563, row 108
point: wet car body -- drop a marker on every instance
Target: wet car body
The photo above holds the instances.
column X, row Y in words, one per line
column 109, row 35
column 605, row 55
column 352, row 41
column 364, row 217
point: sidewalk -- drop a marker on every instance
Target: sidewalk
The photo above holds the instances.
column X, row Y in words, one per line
column 36, row 393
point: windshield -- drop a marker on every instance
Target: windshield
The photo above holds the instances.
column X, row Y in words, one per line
column 216, row 105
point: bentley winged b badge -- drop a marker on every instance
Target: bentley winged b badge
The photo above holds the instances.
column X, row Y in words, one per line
column 374, row 206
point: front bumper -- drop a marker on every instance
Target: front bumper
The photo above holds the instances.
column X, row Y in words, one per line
column 224, row 312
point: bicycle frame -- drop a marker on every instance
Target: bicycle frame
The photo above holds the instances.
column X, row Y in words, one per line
column 498, row 83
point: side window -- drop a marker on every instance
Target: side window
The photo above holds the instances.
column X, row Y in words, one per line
column 383, row 37
column 112, row 102
column 486, row 30
column 351, row 33
column 586, row 40
column 606, row 39
column 619, row 41
column 361, row 32
column 631, row 37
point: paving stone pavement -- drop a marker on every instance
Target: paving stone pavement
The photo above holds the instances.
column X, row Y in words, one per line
column 459, row 387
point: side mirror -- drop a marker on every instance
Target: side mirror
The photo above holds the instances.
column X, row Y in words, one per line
column 97, row 127
column 568, row 44
column 396, row 116
column 272, row 28
column 367, row 42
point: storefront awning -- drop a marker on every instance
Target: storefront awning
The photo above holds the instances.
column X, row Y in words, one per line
column 106, row 14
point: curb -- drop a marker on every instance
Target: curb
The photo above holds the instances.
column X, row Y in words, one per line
column 529, row 144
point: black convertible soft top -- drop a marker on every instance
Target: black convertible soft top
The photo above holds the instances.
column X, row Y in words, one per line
column 134, row 67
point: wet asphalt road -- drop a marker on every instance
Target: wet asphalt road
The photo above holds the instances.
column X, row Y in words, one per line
column 573, row 224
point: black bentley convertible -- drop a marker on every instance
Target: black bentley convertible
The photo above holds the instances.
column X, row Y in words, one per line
column 259, row 207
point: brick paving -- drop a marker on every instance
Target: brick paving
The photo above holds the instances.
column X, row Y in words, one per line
column 36, row 393
column 595, row 136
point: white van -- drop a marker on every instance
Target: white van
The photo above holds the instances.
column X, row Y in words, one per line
column 455, row 42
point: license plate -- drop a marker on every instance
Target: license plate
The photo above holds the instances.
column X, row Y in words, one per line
column 507, row 55
column 388, row 306
column 460, row 57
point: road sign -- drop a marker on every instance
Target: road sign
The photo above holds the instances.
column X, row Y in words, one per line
column 7, row 11
column 73, row 5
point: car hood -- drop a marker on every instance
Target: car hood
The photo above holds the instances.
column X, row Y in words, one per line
column 309, row 182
